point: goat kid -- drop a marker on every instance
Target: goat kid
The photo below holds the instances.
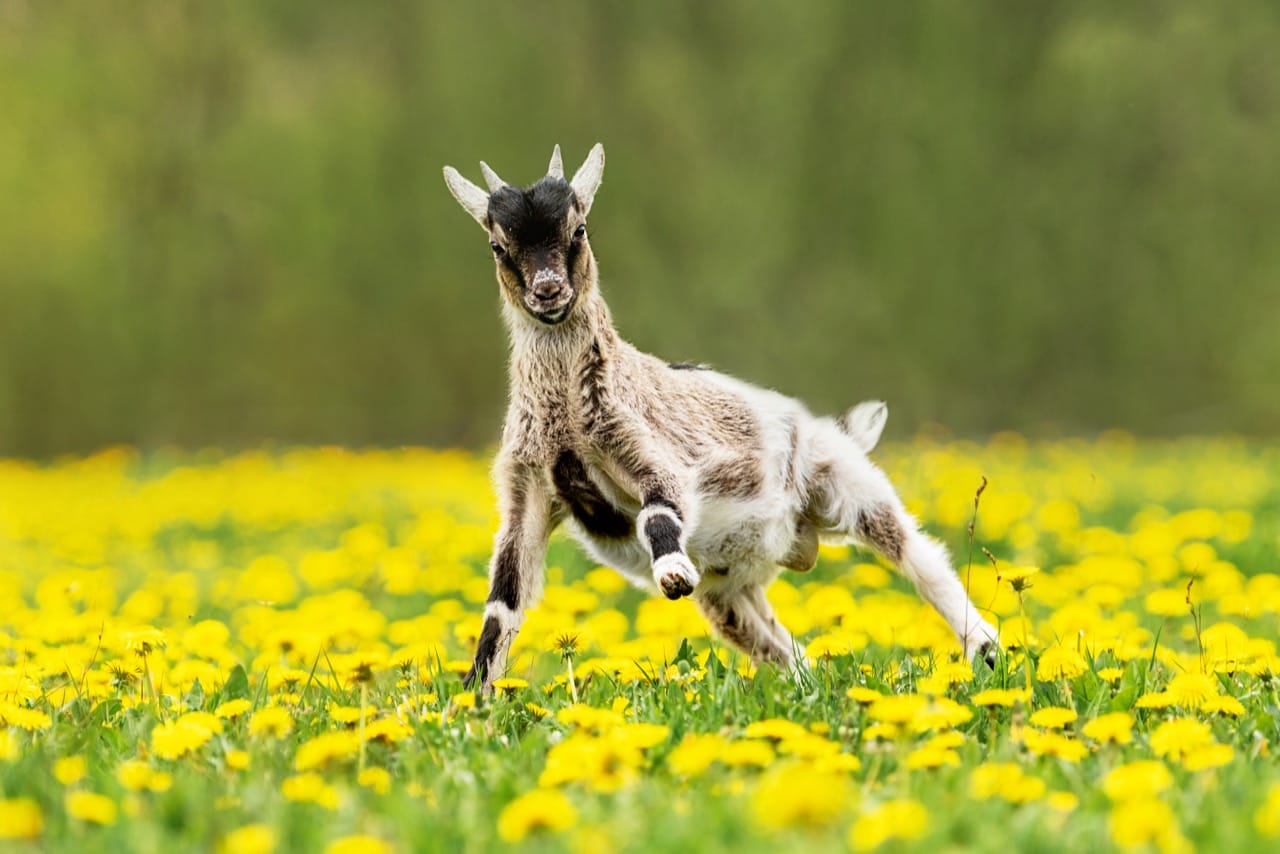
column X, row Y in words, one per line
column 687, row 481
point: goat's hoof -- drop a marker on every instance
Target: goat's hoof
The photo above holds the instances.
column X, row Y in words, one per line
column 989, row 652
column 675, row 575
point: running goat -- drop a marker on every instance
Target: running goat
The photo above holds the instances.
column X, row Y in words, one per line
column 685, row 480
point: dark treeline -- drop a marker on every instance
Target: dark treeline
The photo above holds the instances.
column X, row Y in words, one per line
column 223, row 223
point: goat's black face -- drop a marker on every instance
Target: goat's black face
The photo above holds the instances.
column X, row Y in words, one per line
column 539, row 240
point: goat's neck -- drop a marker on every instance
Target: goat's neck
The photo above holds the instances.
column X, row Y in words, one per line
column 558, row 372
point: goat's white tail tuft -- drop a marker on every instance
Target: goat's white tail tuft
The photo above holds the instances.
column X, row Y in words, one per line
column 865, row 422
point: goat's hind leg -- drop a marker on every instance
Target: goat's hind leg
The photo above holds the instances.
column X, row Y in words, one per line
column 746, row 620
column 853, row 497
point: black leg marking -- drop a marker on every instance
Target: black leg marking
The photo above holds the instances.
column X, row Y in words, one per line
column 485, row 651
column 585, row 501
column 663, row 533
column 662, row 501
column 504, row 584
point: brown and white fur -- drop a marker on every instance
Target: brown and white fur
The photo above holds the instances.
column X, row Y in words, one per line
column 687, row 481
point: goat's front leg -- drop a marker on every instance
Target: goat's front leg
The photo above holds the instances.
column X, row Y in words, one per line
column 662, row 527
column 515, row 571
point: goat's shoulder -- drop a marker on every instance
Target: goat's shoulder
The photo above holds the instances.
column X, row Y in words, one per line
column 696, row 409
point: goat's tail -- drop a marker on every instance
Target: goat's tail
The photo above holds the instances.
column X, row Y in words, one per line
column 864, row 423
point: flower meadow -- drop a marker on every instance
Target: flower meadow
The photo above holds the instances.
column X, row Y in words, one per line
column 263, row 651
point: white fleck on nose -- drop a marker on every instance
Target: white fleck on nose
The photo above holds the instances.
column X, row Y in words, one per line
column 545, row 275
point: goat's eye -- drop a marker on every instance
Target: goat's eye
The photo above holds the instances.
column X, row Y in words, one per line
column 497, row 250
column 580, row 232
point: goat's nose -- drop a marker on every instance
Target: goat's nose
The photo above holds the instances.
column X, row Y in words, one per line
column 547, row 284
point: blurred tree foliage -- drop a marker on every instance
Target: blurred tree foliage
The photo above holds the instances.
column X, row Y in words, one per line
column 224, row 222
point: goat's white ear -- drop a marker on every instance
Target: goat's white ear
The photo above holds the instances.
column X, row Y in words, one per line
column 588, row 177
column 474, row 200
column 556, row 169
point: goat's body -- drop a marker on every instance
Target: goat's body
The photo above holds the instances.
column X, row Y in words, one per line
column 687, row 481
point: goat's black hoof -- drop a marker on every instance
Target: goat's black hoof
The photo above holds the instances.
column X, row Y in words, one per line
column 989, row 652
column 675, row 587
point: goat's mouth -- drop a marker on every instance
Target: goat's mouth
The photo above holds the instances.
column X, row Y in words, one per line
column 552, row 314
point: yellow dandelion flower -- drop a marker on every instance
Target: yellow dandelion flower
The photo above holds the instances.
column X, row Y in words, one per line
column 1006, row 697
column 22, row 717
column 775, row 728
column 176, row 739
column 840, row 763
column 8, row 745
column 310, row 788
column 1155, row 700
column 465, row 699
column 808, row 746
column 797, row 794
column 1137, row 781
column 1111, row 675
column 1146, row 822
column 536, row 710
column 1113, row 728
column 275, row 721
column 377, row 779
column 326, row 748
column 237, row 760
column 91, row 807
column 929, row 756
column 589, row 717
column 1053, row 717
column 1017, row 577
column 747, row 753
column 1208, row 756
column 510, row 684
column 1223, row 705
column 695, row 754
column 602, row 763
column 233, row 708
column 897, row 708
column 1054, row 744
column 898, row 819
column 347, row 714
column 950, row 739
column 884, row 732
column 1266, row 818
column 387, row 730
column 1062, row 801
column 20, row 818
column 249, row 839
column 1060, row 662
column 941, row 713
column 863, row 695
column 542, row 810
column 1189, row 690
column 1004, row 780
column 70, row 770
column 134, row 774
column 359, row 844
column 1176, row 738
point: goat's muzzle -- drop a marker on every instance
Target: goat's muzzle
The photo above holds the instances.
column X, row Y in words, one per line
column 549, row 296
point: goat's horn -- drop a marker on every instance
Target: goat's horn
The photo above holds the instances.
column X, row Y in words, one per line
column 556, row 169
column 491, row 178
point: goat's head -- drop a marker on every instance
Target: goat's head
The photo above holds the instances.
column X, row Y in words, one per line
column 538, row 234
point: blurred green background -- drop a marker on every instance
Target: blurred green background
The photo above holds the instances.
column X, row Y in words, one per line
column 224, row 222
